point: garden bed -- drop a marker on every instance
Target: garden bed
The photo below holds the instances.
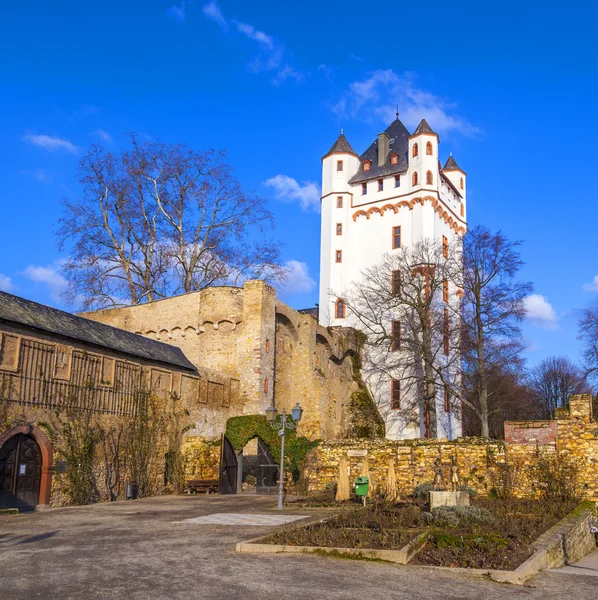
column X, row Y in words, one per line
column 504, row 543
column 492, row 534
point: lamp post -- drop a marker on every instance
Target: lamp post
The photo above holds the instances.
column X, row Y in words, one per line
column 281, row 426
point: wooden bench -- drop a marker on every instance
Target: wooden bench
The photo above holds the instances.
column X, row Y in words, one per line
column 207, row 486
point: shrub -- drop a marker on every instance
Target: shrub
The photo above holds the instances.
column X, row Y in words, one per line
column 557, row 477
column 459, row 516
column 330, row 488
column 422, row 490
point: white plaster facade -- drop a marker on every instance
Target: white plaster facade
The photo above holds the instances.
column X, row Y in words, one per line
column 422, row 210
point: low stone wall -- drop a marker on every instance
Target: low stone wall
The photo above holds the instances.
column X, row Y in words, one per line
column 482, row 464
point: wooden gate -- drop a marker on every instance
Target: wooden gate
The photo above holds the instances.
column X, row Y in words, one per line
column 266, row 470
column 228, row 467
column 20, row 473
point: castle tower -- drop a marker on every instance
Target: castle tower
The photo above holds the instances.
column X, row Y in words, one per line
column 338, row 165
column 394, row 194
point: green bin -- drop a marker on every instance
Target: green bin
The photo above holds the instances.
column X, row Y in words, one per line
column 361, row 486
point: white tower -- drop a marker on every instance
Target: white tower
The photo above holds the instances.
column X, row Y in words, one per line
column 395, row 187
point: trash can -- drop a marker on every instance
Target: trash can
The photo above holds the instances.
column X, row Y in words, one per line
column 362, row 485
column 131, row 491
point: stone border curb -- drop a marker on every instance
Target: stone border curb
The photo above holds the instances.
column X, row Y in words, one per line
column 566, row 542
column 401, row 557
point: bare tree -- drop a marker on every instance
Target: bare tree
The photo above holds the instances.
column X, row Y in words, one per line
column 553, row 382
column 493, row 307
column 510, row 397
column 588, row 334
column 411, row 325
column 160, row 219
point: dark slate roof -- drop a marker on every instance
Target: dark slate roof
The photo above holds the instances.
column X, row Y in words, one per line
column 399, row 143
column 423, row 127
column 451, row 165
column 341, row 145
column 51, row 320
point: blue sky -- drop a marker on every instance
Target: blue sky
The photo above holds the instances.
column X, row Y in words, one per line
column 510, row 89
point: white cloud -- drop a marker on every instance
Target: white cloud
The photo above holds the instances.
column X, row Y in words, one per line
column 177, row 13
column 102, row 134
column 540, row 312
column 42, row 175
column 592, row 286
column 271, row 57
column 212, row 11
column 370, row 96
column 49, row 276
column 298, row 281
column 288, row 189
column 254, row 34
column 6, row 284
column 50, row 143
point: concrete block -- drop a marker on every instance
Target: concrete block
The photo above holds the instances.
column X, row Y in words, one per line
column 439, row 498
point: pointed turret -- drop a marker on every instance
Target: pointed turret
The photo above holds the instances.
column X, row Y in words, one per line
column 423, row 127
column 341, row 146
column 456, row 175
column 451, row 165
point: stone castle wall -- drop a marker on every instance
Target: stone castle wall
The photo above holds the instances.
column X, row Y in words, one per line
column 272, row 350
column 483, row 464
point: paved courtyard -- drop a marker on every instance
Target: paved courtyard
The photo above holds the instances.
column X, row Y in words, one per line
column 148, row 549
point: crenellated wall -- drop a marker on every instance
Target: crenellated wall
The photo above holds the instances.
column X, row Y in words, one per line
column 272, row 350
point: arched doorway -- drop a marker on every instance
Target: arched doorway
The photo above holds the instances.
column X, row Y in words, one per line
column 20, row 472
column 25, row 468
column 254, row 461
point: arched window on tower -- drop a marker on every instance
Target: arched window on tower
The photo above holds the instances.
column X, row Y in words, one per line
column 414, row 178
column 429, row 178
column 415, row 150
column 394, row 158
column 366, row 165
column 461, row 183
column 429, row 148
column 339, row 309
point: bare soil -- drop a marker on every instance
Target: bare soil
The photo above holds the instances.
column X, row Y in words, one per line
column 503, row 544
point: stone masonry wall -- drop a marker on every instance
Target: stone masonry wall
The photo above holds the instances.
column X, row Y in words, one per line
column 482, row 463
column 271, row 350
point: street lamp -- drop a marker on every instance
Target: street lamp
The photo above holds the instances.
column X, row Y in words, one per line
column 281, row 426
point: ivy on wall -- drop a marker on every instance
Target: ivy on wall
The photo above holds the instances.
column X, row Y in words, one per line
column 365, row 420
column 240, row 430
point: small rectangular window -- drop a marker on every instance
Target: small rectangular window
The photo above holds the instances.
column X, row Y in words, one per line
column 397, row 181
column 380, row 185
column 339, row 165
column 445, row 293
column 446, row 332
column 445, row 245
column 339, row 256
column 395, row 342
column 462, row 210
column 396, row 283
column 447, row 398
column 395, row 394
column 396, row 237
column 364, row 189
column 339, row 229
column 339, row 202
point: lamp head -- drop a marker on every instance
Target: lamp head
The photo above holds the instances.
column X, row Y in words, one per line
column 296, row 413
column 271, row 413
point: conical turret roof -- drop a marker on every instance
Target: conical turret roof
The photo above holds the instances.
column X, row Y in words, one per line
column 423, row 127
column 451, row 165
column 341, row 145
